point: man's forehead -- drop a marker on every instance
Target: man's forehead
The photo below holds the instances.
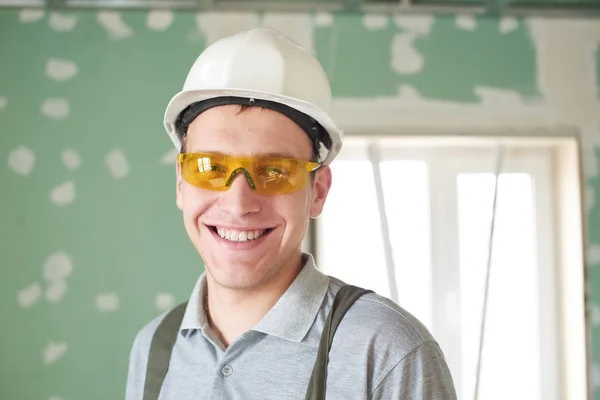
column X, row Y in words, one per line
column 262, row 135
column 261, row 154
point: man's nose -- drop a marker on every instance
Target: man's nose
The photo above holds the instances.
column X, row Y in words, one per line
column 240, row 199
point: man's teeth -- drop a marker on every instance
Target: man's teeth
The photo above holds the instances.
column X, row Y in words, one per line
column 240, row 236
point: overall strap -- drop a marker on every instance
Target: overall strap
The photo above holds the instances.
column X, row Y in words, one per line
column 161, row 348
column 343, row 300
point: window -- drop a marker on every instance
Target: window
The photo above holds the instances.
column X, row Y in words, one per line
column 412, row 221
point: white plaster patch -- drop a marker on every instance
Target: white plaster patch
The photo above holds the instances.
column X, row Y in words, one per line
column 56, row 291
column 215, row 25
column 55, row 398
column 590, row 198
column 296, row 26
column 21, row 160
column 164, row 301
column 71, row 159
column 159, row 20
column 55, row 108
column 107, row 302
column 595, row 376
column 405, row 58
column 593, row 255
column 373, row 22
column 419, row 24
column 57, row 267
column 3, row 102
column 117, row 163
column 508, row 25
column 170, row 157
column 466, row 22
column 31, row 15
column 28, row 296
column 323, row 19
column 60, row 70
column 63, row 194
column 54, row 351
column 62, row 23
column 113, row 24
column 498, row 97
column 567, row 77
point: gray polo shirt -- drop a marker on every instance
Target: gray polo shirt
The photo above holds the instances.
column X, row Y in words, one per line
column 380, row 351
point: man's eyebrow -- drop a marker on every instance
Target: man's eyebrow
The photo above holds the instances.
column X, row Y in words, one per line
column 276, row 155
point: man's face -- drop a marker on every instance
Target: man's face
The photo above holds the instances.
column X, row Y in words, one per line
column 279, row 221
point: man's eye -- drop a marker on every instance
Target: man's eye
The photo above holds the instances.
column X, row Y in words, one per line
column 217, row 167
column 205, row 167
column 273, row 172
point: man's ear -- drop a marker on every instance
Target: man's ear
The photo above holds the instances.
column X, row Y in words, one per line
column 320, row 190
column 179, row 186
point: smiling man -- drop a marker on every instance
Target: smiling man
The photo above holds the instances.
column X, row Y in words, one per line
column 256, row 139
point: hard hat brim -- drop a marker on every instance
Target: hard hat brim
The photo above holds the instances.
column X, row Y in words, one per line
column 187, row 97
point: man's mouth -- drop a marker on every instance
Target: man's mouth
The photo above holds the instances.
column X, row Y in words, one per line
column 235, row 235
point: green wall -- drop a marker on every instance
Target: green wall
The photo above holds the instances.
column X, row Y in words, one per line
column 90, row 235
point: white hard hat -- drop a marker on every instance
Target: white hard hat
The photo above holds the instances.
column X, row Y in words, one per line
column 257, row 67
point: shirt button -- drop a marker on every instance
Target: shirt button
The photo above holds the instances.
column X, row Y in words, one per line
column 226, row 370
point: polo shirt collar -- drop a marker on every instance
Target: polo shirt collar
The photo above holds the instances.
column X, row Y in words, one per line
column 290, row 318
column 195, row 315
column 294, row 313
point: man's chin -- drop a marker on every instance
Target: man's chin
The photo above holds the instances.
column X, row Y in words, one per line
column 239, row 274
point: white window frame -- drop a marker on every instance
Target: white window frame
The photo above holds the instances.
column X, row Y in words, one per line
column 562, row 286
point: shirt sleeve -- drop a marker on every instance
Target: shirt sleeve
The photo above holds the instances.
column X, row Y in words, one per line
column 422, row 375
column 138, row 359
column 136, row 372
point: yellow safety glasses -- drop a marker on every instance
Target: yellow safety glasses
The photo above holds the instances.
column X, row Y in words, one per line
column 267, row 176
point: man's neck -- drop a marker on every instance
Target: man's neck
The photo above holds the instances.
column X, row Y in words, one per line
column 232, row 312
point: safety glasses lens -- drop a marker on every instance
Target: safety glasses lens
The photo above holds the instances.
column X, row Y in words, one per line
column 267, row 176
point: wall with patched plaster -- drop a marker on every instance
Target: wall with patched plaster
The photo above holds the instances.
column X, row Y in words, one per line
column 90, row 231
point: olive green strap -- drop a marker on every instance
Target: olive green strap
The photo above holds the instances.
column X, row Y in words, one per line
column 161, row 348
column 343, row 300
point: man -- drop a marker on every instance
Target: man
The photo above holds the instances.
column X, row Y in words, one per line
column 256, row 142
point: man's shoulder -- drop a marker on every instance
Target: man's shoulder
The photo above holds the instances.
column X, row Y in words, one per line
column 376, row 316
column 381, row 314
column 384, row 342
column 138, row 357
column 144, row 336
